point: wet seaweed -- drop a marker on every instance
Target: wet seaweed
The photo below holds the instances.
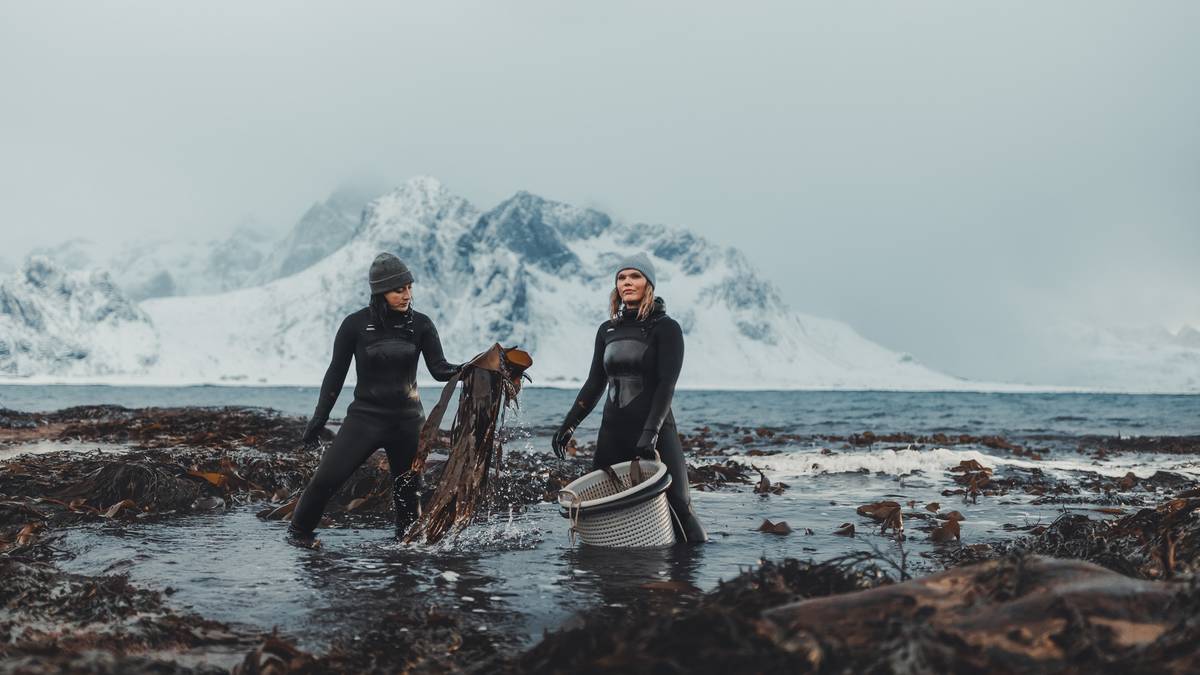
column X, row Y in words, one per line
column 1020, row 613
column 1162, row 542
column 490, row 383
column 50, row 612
column 848, row 615
column 724, row 632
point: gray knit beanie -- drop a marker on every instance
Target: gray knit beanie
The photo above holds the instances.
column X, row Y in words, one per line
column 388, row 273
column 640, row 262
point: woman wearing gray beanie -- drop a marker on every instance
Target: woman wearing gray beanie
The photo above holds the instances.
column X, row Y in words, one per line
column 638, row 354
column 384, row 339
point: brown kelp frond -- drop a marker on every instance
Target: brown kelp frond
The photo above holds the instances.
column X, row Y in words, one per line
column 490, row 382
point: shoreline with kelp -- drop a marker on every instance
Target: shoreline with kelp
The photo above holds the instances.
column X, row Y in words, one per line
column 161, row 464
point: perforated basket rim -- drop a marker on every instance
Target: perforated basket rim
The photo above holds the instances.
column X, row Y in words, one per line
column 622, row 469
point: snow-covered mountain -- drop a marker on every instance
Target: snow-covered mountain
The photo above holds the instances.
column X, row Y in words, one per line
column 531, row 272
column 60, row 323
column 323, row 229
column 152, row 268
column 250, row 256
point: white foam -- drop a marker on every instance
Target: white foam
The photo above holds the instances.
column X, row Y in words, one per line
column 940, row 460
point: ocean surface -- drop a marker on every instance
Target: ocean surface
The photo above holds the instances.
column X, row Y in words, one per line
column 519, row 572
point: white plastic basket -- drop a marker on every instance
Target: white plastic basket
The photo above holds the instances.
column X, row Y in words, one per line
column 603, row 513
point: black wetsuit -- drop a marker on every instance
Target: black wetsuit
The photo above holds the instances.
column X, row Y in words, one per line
column 640, row 363
column 386, row 411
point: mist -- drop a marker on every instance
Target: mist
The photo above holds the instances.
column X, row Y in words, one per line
column 951, row 179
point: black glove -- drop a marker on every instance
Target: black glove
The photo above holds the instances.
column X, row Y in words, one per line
column 562, row 438
column 312, row 433
column 647, row 444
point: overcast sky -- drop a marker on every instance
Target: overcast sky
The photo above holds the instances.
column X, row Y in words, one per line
column 945, row 176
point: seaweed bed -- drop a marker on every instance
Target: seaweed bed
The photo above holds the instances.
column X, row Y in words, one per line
column 1079, row 594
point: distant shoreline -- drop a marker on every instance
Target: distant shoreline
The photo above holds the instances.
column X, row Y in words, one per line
column 972, row 388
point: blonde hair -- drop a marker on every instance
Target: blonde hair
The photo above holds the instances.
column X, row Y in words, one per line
column 644, row 308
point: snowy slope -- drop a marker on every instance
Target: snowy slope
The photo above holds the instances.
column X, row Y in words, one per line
column 323, row 229
column 530, row 272
column 250, row 256
column 54, row 322
column 282, row 332
column 151, row 268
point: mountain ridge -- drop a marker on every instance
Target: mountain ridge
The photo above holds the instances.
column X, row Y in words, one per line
column 529, row 271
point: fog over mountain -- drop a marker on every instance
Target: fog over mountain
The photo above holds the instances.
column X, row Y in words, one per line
column 529, row 271
column 959, row 181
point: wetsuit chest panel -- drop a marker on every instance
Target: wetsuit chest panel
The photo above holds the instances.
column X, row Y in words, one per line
column 392, row 348
column 625, row 352
column 387, row 369
column 391, row 352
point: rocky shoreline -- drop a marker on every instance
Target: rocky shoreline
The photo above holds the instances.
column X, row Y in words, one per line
column 1079, row 594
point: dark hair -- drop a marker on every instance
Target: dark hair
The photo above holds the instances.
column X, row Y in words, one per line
column 379, row 307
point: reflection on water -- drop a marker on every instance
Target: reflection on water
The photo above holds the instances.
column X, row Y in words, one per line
column 623, row 580
column 519, row 573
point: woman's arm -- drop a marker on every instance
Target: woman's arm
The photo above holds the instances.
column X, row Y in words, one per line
column 335, row 377
column 593, row 387
column 435, row 360
column 669, row 340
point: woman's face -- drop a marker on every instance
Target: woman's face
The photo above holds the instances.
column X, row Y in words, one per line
column 631, row 286
column 399, row 298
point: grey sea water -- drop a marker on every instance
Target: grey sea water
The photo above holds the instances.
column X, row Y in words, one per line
column 519, row 572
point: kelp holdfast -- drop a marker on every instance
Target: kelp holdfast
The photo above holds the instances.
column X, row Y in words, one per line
column 620, row 506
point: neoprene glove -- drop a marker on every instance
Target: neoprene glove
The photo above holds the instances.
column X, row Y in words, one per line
column 312, row 433
column 562, row 438
column 646, row 444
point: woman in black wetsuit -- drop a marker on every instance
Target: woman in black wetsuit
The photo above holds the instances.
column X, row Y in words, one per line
column 384, row 339
column 638, row 354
